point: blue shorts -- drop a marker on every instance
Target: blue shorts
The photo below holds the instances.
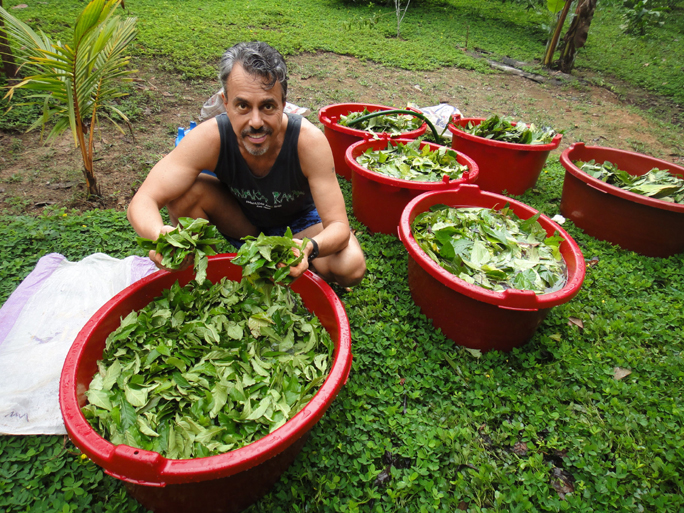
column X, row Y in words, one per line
column 300, row 224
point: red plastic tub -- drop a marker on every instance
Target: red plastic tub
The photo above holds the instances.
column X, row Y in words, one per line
column 341, row 137
column 379, row 200
column 225, row 483
column 470, row 315
column 648, row 226
column 504, row 166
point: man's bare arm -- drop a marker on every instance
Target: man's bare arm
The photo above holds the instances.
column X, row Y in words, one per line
column 315, row 157
column 172, row 176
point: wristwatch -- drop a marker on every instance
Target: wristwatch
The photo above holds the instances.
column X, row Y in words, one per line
column 314, row 251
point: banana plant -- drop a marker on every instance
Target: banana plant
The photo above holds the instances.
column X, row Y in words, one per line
column 75, row 81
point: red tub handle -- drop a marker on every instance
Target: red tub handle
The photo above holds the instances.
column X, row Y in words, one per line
column 136, row 465
column 518, row 309
column 595, row 188
column 524, row 300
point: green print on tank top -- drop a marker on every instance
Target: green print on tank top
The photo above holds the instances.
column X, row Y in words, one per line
column 257, row 198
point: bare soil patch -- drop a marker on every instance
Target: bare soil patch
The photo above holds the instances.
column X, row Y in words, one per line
column 34, row 176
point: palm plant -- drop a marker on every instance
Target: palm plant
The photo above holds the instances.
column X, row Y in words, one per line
column 76, row 81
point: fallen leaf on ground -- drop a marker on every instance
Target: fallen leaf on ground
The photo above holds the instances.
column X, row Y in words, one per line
column 474, row 352
column 20, row 6
column 577, row 322
column 520, row 449
column 383, row 477
column 620, row 373
column 593, row 261
column 561, row 482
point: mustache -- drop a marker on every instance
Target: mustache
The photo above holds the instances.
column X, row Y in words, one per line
column 256, row 133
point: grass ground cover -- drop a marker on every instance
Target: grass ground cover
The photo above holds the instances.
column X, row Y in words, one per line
column 189, row 37
column 423, row 425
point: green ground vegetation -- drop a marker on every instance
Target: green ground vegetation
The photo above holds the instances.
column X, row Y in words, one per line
column 423, row 425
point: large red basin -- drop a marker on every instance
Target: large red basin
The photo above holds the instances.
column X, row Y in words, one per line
column 648, row 226
column 470, row 315
column 341, row 137
column 379, row 200
column 504, row 167
column 225, row 483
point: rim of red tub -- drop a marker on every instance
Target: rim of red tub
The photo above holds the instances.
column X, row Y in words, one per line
column 456, row 119
column 359, row 147
column 153, row 469
column 579, row 147
column 514, row 299
column 330, row 119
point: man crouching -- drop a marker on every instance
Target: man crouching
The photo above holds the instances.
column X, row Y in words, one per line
column 273, row 170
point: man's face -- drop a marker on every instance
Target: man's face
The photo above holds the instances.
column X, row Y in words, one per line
column 255, row 113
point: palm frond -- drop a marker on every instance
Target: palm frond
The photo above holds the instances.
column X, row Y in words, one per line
column 77, row 79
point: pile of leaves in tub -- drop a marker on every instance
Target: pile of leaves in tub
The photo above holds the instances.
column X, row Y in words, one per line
column 504, row 129
column 656, row 183
column 393, row 124
column 410, row 162
column 493, row 249
column 208, row 368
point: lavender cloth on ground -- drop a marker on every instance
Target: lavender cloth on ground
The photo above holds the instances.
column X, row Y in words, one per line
column 38, row 324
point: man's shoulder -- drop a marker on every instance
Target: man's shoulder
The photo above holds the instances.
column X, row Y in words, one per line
column 206, row 133
column 315, row 155
column 310, row 133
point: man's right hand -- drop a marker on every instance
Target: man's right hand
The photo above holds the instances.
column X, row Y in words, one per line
column 157, row 257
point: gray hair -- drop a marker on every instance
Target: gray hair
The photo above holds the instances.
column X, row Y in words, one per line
column 256, row 58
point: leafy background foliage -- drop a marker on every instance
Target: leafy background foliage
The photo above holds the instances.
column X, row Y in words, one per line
column 192, row 36
column 423, row 425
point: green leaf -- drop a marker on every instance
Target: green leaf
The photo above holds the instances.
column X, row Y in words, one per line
column 555, row 6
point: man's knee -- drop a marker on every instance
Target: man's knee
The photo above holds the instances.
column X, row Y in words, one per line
column 193, row 202
column 354, row 270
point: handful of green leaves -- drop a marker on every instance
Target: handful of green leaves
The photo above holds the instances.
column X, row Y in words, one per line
column 502, row 129
column 409, row 162
column 260, row 258
column 205, row 369
column 194, row 236
column 494, row 249
column 656, row 183
column 393, row 124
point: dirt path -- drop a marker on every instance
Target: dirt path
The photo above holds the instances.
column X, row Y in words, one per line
column 34, row 176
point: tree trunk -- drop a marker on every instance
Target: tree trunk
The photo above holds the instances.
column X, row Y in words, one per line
column 548, row 56
column 10, row 68
column 576, row 35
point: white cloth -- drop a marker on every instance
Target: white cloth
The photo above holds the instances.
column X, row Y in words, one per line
column 440, row 115
column 38, row 324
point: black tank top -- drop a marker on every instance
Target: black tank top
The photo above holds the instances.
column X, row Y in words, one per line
column 279, row 197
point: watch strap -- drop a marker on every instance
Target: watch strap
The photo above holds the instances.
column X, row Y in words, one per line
column 314, row 252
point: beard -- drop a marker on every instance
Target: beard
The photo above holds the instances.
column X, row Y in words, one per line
column 256, row 151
